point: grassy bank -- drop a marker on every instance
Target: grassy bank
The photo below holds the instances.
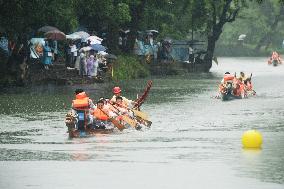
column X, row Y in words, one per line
column 128, row 67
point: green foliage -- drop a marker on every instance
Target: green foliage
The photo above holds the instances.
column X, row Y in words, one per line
column 256, row 22
column 129, row 67
column 20, row 16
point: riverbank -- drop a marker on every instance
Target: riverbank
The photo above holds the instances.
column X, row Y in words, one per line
column 244, row 50
column 125, row 67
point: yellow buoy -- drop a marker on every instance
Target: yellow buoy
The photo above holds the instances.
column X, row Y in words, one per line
column 252, row 139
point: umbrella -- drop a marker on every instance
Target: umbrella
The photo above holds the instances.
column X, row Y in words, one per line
column 33, row 41
column 152, row 31
column 98, row 47
column 242, row 37
column 102, row 53
column 55, row 35
column 73, row 36
column 110, row 56
column 85, row 49
column 94, row 40
column 82, row 34
column 47, row 29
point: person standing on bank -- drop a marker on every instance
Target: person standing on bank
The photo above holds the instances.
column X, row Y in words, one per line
column 47, row 55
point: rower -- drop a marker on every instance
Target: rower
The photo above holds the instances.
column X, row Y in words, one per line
column 227, row 78
column 117, row 92
column 242, row 77
column 101, row 115
column 81, row 106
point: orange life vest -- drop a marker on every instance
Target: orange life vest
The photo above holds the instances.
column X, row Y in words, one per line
column 228, row 77
column 249, row 86
column 81, row 102
column 239, row 89
column 100, row 115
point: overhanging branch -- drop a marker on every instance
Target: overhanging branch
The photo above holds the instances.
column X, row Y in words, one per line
column 233, row 15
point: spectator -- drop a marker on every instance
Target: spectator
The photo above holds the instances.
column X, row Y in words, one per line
column 47, row 55
column 73, row 54
column 90, row 66
column 83, row 64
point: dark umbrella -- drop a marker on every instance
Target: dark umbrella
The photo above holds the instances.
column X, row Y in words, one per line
column 98, row 47
column 47, row 29
column 55, row 35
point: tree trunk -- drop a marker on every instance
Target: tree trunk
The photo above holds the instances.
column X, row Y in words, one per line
column 112, row 38
column 136, row 14
column 211, row 43
column 210, row 52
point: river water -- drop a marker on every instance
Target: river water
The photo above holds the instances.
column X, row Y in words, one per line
column 194, row 142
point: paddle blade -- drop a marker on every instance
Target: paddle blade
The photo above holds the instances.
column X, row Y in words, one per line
column 130, row 121
column 141, row 114
column 117, row 124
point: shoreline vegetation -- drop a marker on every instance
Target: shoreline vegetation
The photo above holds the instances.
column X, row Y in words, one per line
column 225, row 28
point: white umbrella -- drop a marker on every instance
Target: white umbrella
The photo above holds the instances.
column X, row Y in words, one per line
column 242, row 37
column 73, row 36
column 102, row 53
column 85, row 49
column 82, row 34
column 94, row 40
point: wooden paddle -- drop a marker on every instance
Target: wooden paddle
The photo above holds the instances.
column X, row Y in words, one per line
column 140, row 115
column 136, row 112
column 126, row 118
column 114, row 121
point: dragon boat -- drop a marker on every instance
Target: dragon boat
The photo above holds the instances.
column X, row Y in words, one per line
column 236, row 89
column 78, row 126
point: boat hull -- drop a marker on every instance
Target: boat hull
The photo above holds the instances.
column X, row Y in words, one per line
column 74, row 133
column 229, row 96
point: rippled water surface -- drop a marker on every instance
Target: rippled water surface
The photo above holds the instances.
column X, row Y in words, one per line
column 194, row 141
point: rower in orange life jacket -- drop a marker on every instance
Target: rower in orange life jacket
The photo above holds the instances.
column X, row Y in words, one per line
column 83, row 102
column 239, row 88
column 227, row 78
column 101, row 115
column 274, row 56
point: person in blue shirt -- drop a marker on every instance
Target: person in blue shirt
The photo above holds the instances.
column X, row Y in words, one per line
column 47, row 55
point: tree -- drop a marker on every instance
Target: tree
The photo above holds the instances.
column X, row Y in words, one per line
column 28, row 16
column 219, row 12
column 106, row 16
column 275, row 14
